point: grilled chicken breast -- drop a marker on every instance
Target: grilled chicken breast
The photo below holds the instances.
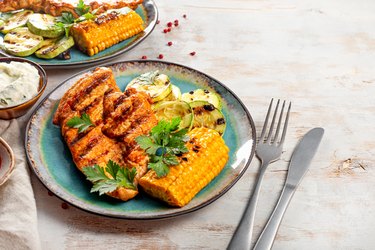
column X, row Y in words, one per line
column 118, row 118
column 57, row 7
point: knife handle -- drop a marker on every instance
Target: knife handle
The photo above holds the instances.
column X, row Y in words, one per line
column 268, row 234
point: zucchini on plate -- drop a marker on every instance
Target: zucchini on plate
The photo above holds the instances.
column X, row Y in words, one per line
column 89, row 33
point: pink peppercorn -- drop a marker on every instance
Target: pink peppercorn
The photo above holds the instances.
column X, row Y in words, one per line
column 161, row 56
column 169, row 43
column 169, row 24
column 144, row 57
column 192, row 53
column 64, row 205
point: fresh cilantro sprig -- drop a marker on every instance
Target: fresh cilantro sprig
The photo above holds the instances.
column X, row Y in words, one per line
column 162, row 145
column 119, row 177
column 82, row 123
column 82, row 8
column 66, row 20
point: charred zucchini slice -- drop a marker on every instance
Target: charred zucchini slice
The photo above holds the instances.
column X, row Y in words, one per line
column 207, row 115
column 202, row 95
column 53, row 50
column 18, row 19
column 21, row 42
column 44, row 25
column 168, row 110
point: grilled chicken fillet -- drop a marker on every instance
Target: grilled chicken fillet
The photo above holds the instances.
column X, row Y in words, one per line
column 57, row 7
column 118, row 118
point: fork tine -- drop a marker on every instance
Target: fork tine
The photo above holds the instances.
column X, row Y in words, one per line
column 279, row 123
column 273, row 122
column 285, row 125
column 261, row 138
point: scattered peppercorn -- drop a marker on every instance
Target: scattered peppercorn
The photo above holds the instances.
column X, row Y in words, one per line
column 64, row 205
column 169, row 24
column 184, row 158
column 161, row 56
column 184, row 15
column 169, row 43
column 176, row 22
column 206, row 91
column 158, row 21
column 192, row 53
column 191, row 92
column 169, row 29
column 165, row 30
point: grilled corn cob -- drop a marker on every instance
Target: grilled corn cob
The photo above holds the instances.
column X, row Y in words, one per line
column 112, row 27
column 207, row 156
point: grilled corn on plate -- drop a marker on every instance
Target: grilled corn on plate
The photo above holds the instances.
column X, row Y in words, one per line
column 110, row 28
column 207, row 156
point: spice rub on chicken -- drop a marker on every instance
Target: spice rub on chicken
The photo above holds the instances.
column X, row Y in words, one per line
column 57, row 7
column 117, row 118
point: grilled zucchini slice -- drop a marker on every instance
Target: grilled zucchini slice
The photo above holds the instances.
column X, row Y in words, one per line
column 18, row 19
column 202, row 95
column 168, row 110
column 44, row 25
column 52, row 50
column 157, row 85
column 174, row 95
column 21, row 42
column 207, row 115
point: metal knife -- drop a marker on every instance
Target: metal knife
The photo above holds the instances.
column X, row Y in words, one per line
column 299, row 163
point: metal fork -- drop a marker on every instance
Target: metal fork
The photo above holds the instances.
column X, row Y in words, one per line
column 268, row 150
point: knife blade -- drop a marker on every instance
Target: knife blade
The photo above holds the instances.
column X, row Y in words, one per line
column 298, row 166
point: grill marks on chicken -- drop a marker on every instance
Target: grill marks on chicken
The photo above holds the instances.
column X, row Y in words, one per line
column 57, row 7
column 118, row 117
column 127, row 116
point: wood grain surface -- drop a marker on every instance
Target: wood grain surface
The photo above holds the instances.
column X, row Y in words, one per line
column 320, row 55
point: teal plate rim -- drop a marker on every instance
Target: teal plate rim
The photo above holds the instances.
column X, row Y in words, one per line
column 150, row 14
column 240, row 158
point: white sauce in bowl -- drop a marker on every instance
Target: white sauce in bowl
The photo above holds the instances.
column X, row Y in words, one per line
column 19, row 82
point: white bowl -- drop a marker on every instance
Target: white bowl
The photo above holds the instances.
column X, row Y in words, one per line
column 6, row 161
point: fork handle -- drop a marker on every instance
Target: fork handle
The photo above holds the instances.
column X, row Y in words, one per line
column 269, row 232
column 241, row 239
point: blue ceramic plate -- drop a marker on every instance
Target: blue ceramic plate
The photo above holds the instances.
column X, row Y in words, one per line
column 51, row 160
column 149, row 13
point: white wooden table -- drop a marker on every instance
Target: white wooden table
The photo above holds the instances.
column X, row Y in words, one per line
column 318, row 54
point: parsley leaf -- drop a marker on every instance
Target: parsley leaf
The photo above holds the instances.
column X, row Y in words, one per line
column 162, row 145
column 66, row 18
column 119, row 177
column 82, row 123
column 82, row 8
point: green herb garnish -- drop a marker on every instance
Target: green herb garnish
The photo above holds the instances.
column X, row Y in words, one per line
column 82, row 123
column 66, row 20
column 119, row 177
column 162, row 145
column 82, row 8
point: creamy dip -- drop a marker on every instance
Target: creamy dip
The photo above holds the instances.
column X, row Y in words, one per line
column 19, row 82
